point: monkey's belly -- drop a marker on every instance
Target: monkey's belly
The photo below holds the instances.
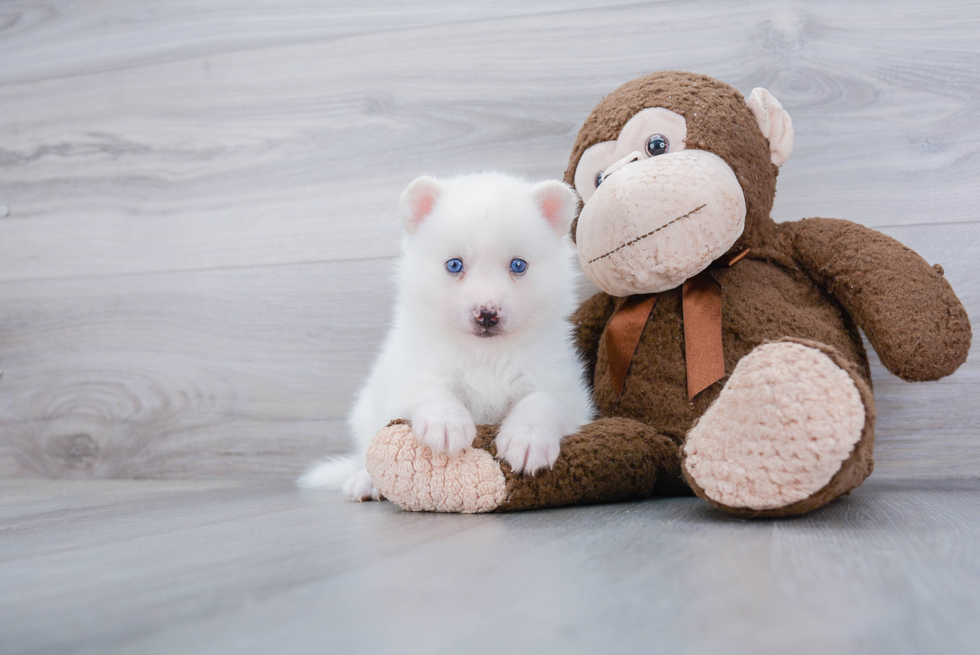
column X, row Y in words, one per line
column 761, row 302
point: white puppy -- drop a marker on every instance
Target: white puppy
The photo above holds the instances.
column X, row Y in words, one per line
column 486, row 282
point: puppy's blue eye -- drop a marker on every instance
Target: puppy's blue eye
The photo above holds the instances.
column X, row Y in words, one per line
column 454, row 265
column 518, row 266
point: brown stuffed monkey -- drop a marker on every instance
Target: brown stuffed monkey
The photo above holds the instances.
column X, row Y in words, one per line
column 724, row 348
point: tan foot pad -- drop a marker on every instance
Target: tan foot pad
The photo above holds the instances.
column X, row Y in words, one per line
column 414, row 478
column 778, row 432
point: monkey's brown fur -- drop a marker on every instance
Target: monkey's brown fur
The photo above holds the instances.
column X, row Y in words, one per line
column 814, row 281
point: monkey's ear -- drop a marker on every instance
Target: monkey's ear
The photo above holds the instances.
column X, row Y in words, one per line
column 557, row 203
column 775, row 123
column 418, row 201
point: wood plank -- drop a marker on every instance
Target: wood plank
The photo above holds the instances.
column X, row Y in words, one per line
column 139, row 531
column 202, row 373
column 250, row 371
column 44, row 41
column 165, row 567
column 164, row 137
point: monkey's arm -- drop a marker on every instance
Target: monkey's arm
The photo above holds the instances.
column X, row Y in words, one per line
column 589, row 321
column 906, row 308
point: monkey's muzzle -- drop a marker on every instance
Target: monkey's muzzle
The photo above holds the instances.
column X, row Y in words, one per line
column 656, row 222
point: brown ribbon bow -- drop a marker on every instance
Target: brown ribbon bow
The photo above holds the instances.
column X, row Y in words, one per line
column 703, row 351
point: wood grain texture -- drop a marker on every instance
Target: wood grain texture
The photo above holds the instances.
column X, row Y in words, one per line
column 201, row 196
column 225, row 566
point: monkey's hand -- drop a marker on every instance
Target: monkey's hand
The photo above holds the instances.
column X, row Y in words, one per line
column 906, row 308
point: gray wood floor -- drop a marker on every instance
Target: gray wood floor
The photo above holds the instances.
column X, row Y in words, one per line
column 261, row 567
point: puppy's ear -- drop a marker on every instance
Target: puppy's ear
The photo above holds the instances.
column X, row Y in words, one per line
column 557, row 203
column 775, row 123
column 418, row 200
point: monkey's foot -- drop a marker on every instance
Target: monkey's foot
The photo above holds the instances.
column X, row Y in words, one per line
column 416, row 479
column 791, row 430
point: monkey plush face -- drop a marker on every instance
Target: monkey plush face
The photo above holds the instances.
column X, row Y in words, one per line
column 655, row 213
column 684, row 172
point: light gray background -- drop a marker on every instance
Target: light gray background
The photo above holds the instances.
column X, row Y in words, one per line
column 202, row 195
column 200, row 219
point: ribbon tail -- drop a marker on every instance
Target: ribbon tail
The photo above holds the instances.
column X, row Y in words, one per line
column 623, row 335
column 703, row 349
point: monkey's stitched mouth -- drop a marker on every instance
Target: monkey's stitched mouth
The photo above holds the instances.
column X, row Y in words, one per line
column 650, row 233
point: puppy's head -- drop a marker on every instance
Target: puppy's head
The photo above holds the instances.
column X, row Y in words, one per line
column 488, row 256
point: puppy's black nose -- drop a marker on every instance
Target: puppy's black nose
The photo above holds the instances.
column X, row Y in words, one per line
column 487, row 318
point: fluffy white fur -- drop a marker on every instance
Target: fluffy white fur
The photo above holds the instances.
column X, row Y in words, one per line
column 443, row 366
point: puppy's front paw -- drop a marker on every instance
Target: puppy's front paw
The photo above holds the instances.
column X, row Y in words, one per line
column 528, row 448
column 444, row 427
column 360, row 487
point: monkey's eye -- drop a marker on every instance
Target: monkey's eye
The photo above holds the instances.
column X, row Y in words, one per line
column 454, row 265
column 598, row 179
column 657, row 145
column 518, row 266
